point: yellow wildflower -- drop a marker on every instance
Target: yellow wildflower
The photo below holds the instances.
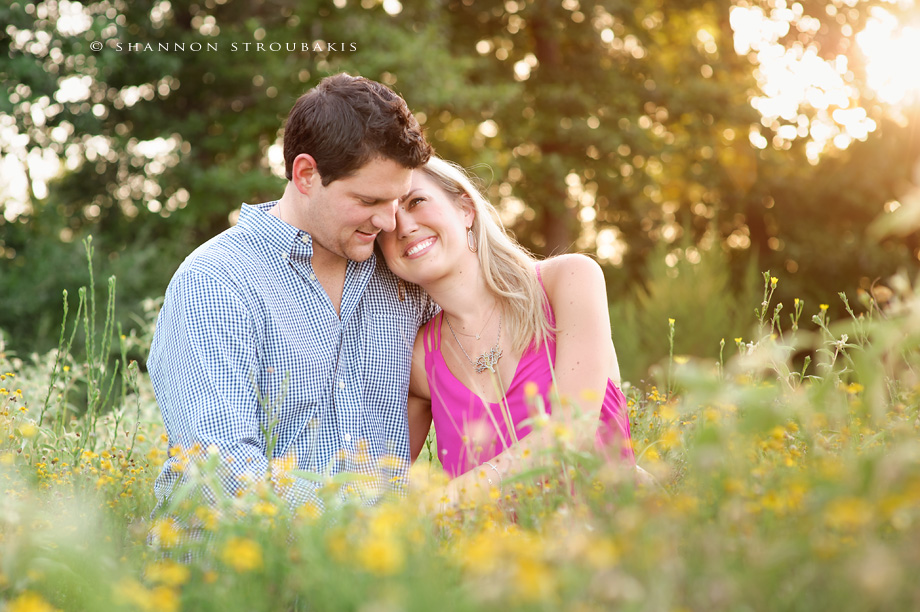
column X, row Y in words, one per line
column 381, row 556
column 166, row 533
column 670, row 439
column 309, row 512
column 164, row 599
column 265, row 508
column 29, row 601
column 391, row 462
column 668, row 412
column 535, row 580
column 242, row 554
column 531, row 389
column 480, row 553
column 848, row 513
column 208, row 517
column 854, row 388
column 168, row 573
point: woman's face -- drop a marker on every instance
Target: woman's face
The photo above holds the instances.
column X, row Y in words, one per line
column 430, row 234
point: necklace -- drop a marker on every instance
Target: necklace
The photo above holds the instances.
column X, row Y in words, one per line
column 479, row 335
column 489, row 359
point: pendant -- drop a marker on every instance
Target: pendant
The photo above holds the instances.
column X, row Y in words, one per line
column 488, row 360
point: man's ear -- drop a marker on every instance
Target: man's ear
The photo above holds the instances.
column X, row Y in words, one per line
column 469, row 209
column 304, row 173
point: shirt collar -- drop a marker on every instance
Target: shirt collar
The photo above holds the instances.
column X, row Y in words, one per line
column 290, row 241
column 277, row 234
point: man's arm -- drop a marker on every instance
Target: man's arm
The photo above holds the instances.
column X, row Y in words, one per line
column 204, row 364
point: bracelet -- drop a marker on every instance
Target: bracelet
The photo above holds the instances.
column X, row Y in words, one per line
column 499, row 474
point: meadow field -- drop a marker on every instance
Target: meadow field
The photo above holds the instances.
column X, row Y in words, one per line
column 732, row 165
column 787, row 471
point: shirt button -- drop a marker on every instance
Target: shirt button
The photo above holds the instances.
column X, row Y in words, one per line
column 305, row 239
column 348, row 437
column 341, row 384
column 312, row 276
column 284, row 256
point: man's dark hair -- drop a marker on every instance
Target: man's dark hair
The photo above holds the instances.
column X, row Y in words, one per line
column 345, row 122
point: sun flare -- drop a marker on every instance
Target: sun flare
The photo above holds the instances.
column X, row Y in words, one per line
column 891, row 51
column 794, row 78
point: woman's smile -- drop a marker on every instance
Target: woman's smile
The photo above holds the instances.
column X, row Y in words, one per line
column 417, row 248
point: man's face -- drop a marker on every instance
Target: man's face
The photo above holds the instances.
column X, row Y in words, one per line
column 345, row 216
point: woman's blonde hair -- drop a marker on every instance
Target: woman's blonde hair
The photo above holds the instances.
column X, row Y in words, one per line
column 508, row 268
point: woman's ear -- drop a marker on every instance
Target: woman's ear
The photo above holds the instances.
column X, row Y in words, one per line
column 469, row 209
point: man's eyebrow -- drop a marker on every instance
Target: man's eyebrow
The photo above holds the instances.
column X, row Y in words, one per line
column 367, row 198
column 372, row 199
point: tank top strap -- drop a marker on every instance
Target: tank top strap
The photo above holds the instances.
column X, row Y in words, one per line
column 431, row 338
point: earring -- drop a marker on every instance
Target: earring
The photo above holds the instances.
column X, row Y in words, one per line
column 470, row 239
column 401, row 289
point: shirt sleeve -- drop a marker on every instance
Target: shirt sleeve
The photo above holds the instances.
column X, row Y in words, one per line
column 203, row 363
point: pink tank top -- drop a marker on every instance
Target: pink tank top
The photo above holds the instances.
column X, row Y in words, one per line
column 469, row 431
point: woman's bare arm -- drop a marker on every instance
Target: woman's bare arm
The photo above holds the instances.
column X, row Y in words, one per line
column 419, row 402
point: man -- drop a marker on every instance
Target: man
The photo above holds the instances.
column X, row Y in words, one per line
column 284, row 338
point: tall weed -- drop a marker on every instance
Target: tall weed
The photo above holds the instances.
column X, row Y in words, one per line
column 691, row 286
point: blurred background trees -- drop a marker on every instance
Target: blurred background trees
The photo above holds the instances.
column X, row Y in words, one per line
column 688, row 145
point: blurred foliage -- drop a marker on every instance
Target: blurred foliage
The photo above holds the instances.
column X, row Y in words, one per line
column 590, row 116
column 692, row 288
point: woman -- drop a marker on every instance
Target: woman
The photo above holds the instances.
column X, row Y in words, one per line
column 509, row 328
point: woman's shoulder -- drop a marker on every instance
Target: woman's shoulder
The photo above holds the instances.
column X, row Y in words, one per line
column 564, row 273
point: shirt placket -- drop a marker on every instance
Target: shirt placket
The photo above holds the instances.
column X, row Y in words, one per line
column 334, row 385
column 348, row 401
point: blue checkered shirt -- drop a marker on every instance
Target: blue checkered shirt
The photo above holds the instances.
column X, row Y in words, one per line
column 247, row 336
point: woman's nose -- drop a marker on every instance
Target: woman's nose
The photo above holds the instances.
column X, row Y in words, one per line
column 405, row 222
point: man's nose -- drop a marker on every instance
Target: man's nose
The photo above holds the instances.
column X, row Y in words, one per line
column 385, row 218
